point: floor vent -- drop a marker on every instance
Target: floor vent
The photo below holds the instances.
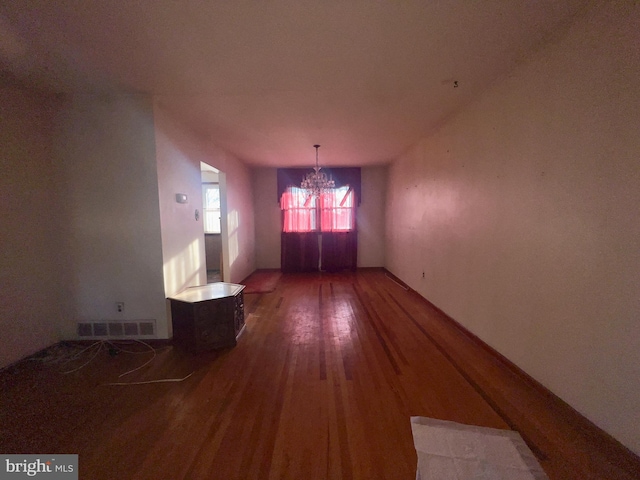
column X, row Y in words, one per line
column 117, row 329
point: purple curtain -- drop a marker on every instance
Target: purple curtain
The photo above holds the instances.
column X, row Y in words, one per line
column 299, row 252
column 339, row 251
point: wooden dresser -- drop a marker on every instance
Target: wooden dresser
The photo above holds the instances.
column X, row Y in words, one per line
column 208, row 317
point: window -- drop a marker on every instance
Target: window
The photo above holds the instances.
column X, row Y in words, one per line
column 331, row 212
column 211, row 207
column 338, row 212
column 299, row 209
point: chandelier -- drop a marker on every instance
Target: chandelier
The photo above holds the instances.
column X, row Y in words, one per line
column 316, row 182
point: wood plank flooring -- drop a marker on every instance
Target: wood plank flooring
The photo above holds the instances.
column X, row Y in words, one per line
column 321, row 385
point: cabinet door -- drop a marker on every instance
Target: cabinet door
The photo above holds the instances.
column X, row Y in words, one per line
column 214, row 325
column 183, row 325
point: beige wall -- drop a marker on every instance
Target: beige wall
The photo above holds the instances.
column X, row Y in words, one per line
column 522, row 212
column 28, row 312
column 268, row 217
column 109, row 218
column 370, row 217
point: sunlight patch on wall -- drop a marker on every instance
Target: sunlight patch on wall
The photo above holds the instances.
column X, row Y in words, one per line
column 234, row 246
column 182, row 270
column 233, row 221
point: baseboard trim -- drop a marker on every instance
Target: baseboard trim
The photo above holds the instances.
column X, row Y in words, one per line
column 259, row 270
column 619, row 453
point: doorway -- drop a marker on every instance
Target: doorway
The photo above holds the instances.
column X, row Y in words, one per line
column 214, row 223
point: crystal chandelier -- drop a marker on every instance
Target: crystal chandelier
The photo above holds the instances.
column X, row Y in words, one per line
column 317, row 183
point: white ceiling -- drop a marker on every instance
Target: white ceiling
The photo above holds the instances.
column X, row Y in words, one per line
column 267, row 80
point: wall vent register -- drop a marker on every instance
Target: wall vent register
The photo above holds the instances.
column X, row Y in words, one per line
column 117, row 329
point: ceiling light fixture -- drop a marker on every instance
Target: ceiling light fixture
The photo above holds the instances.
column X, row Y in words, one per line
column 316, row 182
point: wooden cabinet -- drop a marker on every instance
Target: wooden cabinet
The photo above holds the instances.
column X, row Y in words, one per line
column 208, row 317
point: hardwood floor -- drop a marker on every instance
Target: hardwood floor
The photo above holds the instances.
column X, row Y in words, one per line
column 321, row 385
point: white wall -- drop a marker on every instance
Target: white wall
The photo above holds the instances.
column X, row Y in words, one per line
column 179, row 155
column 183, row 249
column 109, row 219
column 210, row 177
column 28, row 311
column 240, row 213
column 84, row 195
column 371, row 217
column 523, row 213
column 371, row 214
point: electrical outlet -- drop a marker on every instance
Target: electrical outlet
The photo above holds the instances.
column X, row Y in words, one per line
column 120, row 307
